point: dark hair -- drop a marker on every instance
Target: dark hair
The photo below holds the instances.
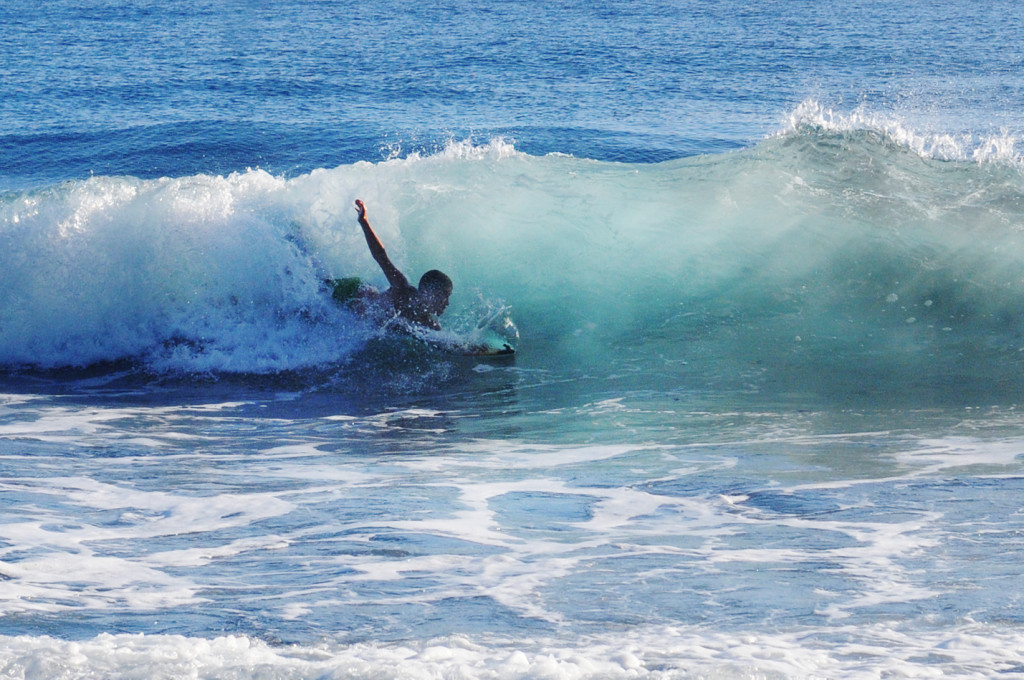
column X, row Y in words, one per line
column 436, row 280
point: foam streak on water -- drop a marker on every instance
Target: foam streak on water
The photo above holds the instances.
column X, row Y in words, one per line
column 774, row 547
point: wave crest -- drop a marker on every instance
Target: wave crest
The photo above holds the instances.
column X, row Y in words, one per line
column 1002, row 147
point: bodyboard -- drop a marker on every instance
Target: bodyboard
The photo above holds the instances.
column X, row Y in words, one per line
column 473, row 345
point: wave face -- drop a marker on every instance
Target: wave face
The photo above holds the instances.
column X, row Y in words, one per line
column 844, row 248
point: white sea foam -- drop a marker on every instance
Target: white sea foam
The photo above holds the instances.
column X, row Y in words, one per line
column 34, row 560
column 933, row 456
column 1002, row 147
column 311, row 522
column 970, row 650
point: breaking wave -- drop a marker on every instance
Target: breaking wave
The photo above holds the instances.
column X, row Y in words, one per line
column 845, row 245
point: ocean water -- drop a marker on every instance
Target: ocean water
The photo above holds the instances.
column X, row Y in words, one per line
column 762, row 263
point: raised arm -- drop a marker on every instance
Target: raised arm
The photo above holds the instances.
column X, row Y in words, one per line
column 395, row 277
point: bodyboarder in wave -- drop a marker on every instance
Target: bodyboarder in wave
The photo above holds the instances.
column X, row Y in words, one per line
column 419, row 306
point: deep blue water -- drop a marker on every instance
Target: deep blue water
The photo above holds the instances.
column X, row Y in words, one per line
column 152, row 89
column 763, row 265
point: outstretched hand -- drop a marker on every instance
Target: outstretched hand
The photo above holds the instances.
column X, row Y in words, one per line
column 361, row 209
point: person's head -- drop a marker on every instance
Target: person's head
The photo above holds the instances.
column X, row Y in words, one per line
column 435, row 289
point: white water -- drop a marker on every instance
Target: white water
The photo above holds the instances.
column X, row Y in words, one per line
column 291, row 537
column 972, row 651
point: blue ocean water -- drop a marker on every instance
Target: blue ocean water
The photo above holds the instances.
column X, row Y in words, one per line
column 762, row 263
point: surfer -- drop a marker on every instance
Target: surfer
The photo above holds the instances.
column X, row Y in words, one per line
column 417, row 305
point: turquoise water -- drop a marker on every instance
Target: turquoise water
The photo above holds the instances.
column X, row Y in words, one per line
column 761, row 265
